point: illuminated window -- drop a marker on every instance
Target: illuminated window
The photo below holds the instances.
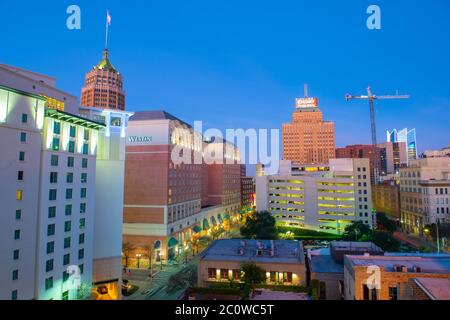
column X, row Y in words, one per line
column 19, row 195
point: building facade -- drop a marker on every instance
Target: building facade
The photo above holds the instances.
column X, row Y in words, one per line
column 392, row 157
column 308, row 139
column 409, row 138
column 425, row 193
column 386, row 198
column 323, row 198
column 363, row 151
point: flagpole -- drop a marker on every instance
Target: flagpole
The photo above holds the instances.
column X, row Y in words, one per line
column 107, row 24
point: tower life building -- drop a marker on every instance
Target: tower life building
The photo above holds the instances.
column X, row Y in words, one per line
column 103, row 87
column 308, row 139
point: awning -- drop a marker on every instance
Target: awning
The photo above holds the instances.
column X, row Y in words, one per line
column 172, row 242
column 226, row 216
column 205, row 224
column 196, row 229
column 213, row 220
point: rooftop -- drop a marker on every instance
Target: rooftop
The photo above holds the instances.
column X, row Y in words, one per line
column 435, row 288
column 325, row 264
column 428, row 264
column 155, row 115
column 285, row 251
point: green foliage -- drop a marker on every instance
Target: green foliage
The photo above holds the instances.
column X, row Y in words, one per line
column 252, row 274
column 384, row 223
column 313, row 290
column 260, row 225
column 385, row 241
column 356, row 230
column 130, row 291
column 275, row 287
column 444, row 230
column 305, row 233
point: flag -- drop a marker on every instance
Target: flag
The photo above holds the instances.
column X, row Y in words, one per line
column 108, row 18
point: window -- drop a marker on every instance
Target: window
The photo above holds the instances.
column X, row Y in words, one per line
column 83, row 193
column 18, row 214
column 14, row 295
column 66, row 259
column 67, row 226
column 49, row 265
column 211, row 273
column 16, row 234
column 55, row 144
column 23, row 137
column 83, row 177
column 24, row 118
column 82, row 223
column 15, row 274
column 68, row 209
column 16, row 255
column 81, row 266
column 50, row 247
column 84, row 163
column 22, row 156
column 20, row 175
column 51, row 230
column 51, row 212
column 392, row 293
column 66, row 242
column 85, row 148
column 52, row 194
column 48, row 283
column 69, row 177
column 80, row 254
column 82, row 207
column 68, row 193
column 54, row 160
column 81, row 238
column 53, row 177
column 70, row 162
column 57, row 127
column 19, row 195
column 86, row 134
column 72, row 131
column 71, row 146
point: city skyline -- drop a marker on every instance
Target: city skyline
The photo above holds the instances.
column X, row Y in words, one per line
column 187, row 72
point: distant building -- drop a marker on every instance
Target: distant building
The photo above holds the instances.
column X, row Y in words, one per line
column 103, row 86
column 283, row 261
column 392, row 157
column 361, row 151
column 327, row 265
column 409, row 138
column 444, row 152
column 386, row 198
column 247, row 191
column 318, row 197
column 308, row 139
column 425, row 193
column 371, row 277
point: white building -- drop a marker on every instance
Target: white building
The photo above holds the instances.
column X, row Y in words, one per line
column 425, row 193
column 323, row 198
column 54, row 220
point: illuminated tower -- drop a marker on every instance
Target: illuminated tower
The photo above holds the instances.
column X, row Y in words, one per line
column 103, row 87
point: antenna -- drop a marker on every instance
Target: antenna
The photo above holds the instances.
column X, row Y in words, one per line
column 305, row 90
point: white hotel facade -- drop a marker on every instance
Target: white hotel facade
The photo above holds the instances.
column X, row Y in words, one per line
column 56, row 168
column 318, row 197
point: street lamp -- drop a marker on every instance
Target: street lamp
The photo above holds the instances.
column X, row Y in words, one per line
column 186, row 248
column 138, row 256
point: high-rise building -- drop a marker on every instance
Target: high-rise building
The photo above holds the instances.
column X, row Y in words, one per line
column 425, row 193
column 57, row 223
column 167, row 201
column 392, row 157
column 409, row 138
column 308, row 139
column 318, row 197
column 363, row 151
column 103, row 87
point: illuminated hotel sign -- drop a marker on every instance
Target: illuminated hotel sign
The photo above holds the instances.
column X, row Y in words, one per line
column 306, row 103
column 139, row 139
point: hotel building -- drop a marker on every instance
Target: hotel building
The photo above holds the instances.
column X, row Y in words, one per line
column 425, row 193
column 308, row 139
column 323, row 198
column 168, row 201
column 283, row 261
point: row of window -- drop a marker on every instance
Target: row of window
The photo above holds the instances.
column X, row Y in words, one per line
column 54, row 161
column 52, row 194
column 51, row 228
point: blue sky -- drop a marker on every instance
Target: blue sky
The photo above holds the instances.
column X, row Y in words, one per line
column 240, row 64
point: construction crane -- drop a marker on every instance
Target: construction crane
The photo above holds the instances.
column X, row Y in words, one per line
column 371, row 97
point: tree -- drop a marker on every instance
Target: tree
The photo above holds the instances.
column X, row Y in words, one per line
column 385, row 241
column 356, row 230
column 260, row 226
column 252, row 274
column 384, row 223
column 149, row 249
column 444, row 230
column 127, row 248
